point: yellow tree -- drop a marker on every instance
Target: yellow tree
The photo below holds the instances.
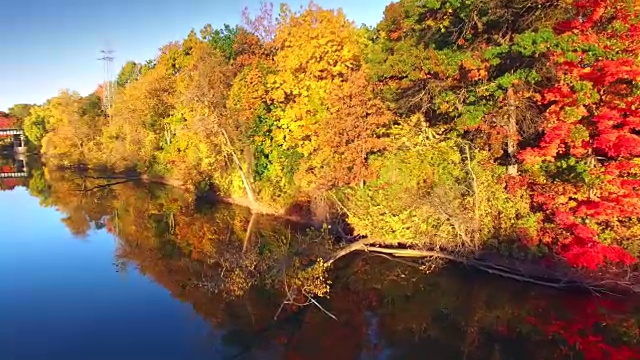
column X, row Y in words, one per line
column 317, row 48
column 135, row 127
column 203, row 87
column 71, row 126
column 317, row 109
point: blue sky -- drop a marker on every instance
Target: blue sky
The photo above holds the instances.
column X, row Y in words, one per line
column 49, row 45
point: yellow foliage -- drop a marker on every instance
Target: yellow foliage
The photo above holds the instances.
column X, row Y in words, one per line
column 130, row 137
column 316, row 48
column 71, row 124
column 247, row 94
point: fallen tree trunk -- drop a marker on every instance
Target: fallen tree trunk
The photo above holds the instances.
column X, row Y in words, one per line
column 557, row 280
column 365, row 245
column 101, row 186
column 112, row 177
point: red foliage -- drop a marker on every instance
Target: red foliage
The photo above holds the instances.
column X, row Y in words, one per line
column 99, row 91
column 7, row 121
column 582, row 328
column 583, row 248
column 598, row 125
column 514, row 184
column 9, row 184
column 590, row 11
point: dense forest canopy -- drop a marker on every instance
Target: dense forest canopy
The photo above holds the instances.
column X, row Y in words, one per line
column 453, row 125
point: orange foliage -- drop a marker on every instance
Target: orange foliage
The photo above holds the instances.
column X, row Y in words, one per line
column 350, row 132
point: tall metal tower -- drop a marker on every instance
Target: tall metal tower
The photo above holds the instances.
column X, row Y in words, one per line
column 109, row 88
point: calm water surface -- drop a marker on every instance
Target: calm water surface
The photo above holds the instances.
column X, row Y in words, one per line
column 133, row 271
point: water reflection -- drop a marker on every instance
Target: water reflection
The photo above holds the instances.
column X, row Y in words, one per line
column 14, row 170
column 229, row 265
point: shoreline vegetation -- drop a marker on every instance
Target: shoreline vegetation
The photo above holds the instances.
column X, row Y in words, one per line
column 530, row 271
column 502, row 135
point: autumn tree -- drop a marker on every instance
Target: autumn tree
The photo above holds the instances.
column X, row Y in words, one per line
column 584, row 170
column 35, row 124
column 319, row 54
column 129, row 73
column 66, row 126
column 204, row 86
column 140, row 115
column 467, row 66
column 351, row 132
column 20, row 112
column 7, row 121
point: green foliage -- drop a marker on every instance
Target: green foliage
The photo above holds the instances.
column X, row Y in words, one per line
column 436, row 194
column 475, row 66
column 20, row 112
column 223, row 40
column 568, row 169
column 129, row 73
column 35, row 126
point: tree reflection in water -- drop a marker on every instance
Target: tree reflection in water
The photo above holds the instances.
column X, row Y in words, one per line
column 231, row 267
column 7, row 165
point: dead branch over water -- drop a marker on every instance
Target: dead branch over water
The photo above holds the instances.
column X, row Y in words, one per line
column 547, row 277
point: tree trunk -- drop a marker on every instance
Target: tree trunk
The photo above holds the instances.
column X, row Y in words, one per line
column 554, row 280
column 512, row 133
column 245, row 180
column 247, row 237
column 476, row 201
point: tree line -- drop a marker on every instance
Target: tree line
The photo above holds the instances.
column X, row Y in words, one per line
column 451, row 125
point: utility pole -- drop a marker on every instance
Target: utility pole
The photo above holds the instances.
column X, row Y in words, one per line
column 109, row 88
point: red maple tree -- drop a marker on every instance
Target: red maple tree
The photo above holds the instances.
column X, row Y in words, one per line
column 587, row 164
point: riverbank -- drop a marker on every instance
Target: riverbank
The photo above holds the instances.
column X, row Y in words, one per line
column 209, row 194
column 549, row 271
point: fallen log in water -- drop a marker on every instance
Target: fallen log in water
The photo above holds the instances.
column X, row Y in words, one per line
column 562, row 277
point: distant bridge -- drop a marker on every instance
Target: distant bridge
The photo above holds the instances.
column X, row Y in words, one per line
column 8, row 132
column 21, row 168
column 19, row 141
column 13, row 175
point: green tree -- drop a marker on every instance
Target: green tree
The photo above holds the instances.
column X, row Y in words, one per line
column 470, row 66
column 222, row 40
column 35, row 124
column 20, row 112
column 129, row 73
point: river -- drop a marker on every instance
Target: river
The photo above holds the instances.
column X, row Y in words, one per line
column 97, row 269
